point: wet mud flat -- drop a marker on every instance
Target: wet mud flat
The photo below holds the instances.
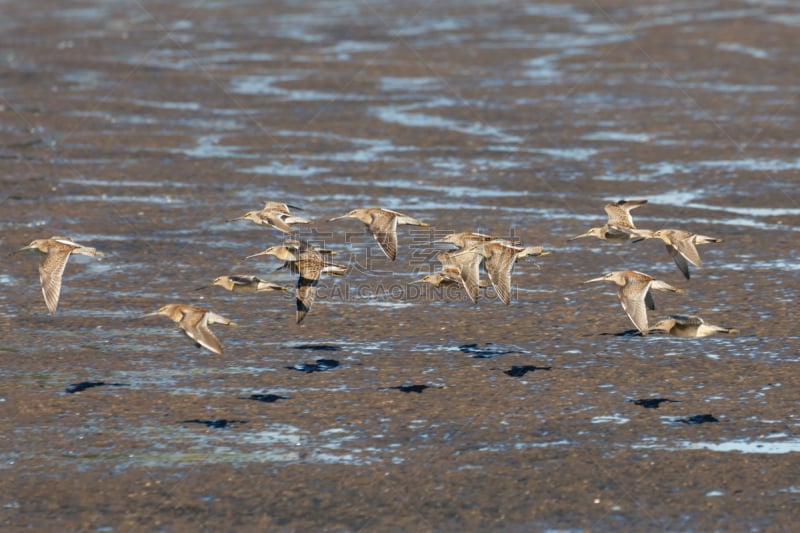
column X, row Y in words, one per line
column 140, row 128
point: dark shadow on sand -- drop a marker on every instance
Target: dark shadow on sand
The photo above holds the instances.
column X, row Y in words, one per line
column 82, row 386
column 626, row 333
column 517, row 371
column 487, row 351
column 411, row 388
column 652, row 403
column 318, row 347
column 266, row 398
column 320, row 366
column 697, row 419
column 217, row 423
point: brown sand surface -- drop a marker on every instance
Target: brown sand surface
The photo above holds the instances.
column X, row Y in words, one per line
column 140, row 127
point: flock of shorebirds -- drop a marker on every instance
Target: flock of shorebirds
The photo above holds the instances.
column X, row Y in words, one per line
column 635, row 287
column 460, row 266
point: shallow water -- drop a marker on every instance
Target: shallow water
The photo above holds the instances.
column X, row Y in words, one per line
column 140, row 129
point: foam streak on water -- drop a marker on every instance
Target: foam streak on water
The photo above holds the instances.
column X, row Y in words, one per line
column 767, row 445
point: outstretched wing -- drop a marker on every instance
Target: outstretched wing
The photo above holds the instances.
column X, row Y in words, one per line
column 195, row 325
column 619, row 213
column 499, row 265
column 276, row 220
column 632, row 297
column 680, row 260
column 310, row 268
column 304, row 297
column 408, row 221
column 687, row 249
column 384, row 228
column 648, row 300
column 51, row 270
column 242, row 281
column 467, row 261
column 691, row 320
